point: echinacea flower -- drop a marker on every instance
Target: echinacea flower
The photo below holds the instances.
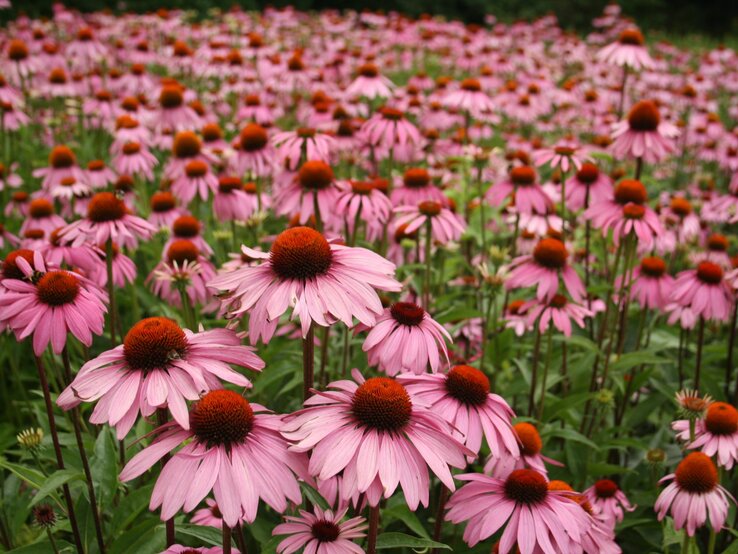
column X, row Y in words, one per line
column 107, row 219
column 559, row 311
column 415, row 187
column 531, row 447
column 643, row 134
column 164, row 210
column 50, row 303
column 694, row 495
column 369, row 83
column 534, row 517
column 388, row 128
column 321, row 532
column 62, row 163
column 254, row 155
column 521, row 185
column 651, row 285
column 208, row 516
column 42, row 215
column 598, row 537
column 463, row 398
column 362, row 201
column 134, row 159
column 588, row 186
column 445, row 225
column 608, row 500
column 233, row 448
column 628, row 50
column 183, row 268
column 323, row 282
column 159, row 365
column 715, row 435
column 406, row 338
column 373, row 431
column 543, row 269
column 303, row 144
column 314, row 187
column 564, row 154
column 701, row 292
column 469, row 98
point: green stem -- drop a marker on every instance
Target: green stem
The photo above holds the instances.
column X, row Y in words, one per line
column 308, row 362
column 111, row 290
column 428, row 244
column 549, row 348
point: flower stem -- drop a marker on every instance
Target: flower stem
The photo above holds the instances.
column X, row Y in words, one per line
column 534, row 371
column 161, row 416
column 549, row 348
column 57, row 450
column 621, row 104
column 83, row 457
column 226, row 539
column 427, row 285
column 52, row 541
column 371, row 546
column 111, row 290
column 698, row 361
column 731, row 348
column 438, row 526
column 316, row 210
column 308, row 362
column 187, row 310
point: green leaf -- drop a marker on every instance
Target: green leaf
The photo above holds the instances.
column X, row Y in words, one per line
column 387, row 541
column 314, row 496
column 130, row 507
column 601, row 469
column 403, row 513
column 571, row 435
column 103, row 466
column 634, row 359
column 56, row 480
column 31, row 476
column 146, row 538
column 207, row 535
column 458, row 314
column 43, row 547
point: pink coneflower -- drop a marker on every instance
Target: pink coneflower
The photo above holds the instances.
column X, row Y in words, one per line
column 124, row 269
column 209, row 516
column 107, row 218
column 69, row 188
column 373, row 432
column 235, row 450
column 173, row 113
column 588, row 186
column 164, row 210
column 388, row 128
column 62, row 163
column 543, row 268
column 406, row 338
column 564, row 154
column 183, row 268
column 531, row 446
column 85, row 50
column 196, row 180
column 627, row 212
column 521, row 181
column 416, row 186
column 369, row 83
column 651, row 285
column 685, row 222
column 609, row 501
column 314, row 183
column 134, row 159
column 599, row 537
column 470, row 98
column 628, row 50
column 715, row 435
column 237, row 201
column 98, row 175
column 159, row 365
column 534, row 517
column 643, row 134
column 323, row 282
column 693, row 495
column 7, row 236
column 321, row 532
column 463, row 398
column 446, row 226
column 303, row 144
column 180, row 549
column 700, row 293
column 559, row 311
column 254, row 110
column 362, row 201
column 42, row 215
column 49, row 304
column 9, row 177
column 254, row 155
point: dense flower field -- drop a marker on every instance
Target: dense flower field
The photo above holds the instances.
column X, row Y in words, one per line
column 340, row 283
